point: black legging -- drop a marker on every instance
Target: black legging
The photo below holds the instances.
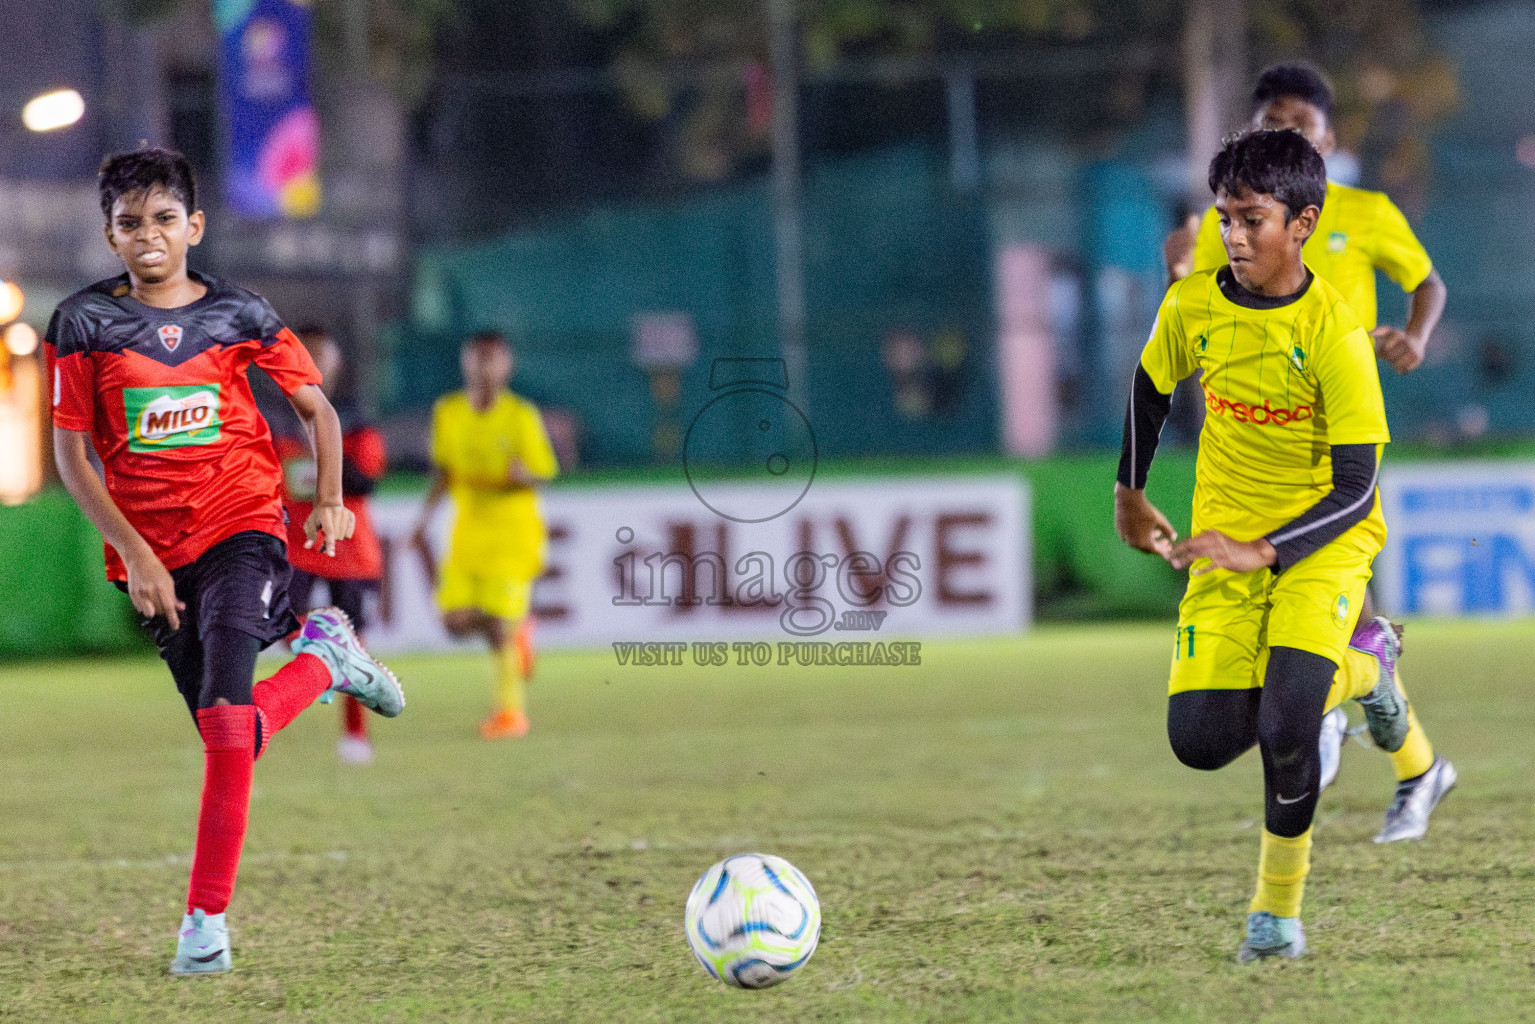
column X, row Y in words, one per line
column 1209, row 729
column 217, row 664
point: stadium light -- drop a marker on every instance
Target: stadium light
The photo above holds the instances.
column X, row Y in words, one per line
column 11, row 301
column 53, row 110
column 21, row 339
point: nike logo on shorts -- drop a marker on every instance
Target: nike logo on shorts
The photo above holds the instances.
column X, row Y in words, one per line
column 1289, row 802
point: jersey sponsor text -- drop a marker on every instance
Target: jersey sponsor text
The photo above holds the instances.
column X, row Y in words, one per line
column 172, row 417
column 1261, row 415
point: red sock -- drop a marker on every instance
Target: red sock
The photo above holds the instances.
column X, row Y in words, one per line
column 229, row 740
column 354, row 718
column 287, row 692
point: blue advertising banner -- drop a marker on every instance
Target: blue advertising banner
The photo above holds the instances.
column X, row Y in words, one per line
column 1461, row 539
column 271, row 131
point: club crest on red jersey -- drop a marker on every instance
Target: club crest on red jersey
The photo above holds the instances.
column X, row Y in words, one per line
column 170, row 337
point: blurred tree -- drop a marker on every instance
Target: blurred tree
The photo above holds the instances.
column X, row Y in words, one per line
column 705, row 62
column 1392, row 88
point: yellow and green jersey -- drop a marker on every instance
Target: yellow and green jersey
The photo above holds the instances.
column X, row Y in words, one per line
column 498, row 531
column 1358, row 232
column 1281, row 383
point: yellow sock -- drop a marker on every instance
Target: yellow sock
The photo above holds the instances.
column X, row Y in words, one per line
column 510, row 687
column 1282, row 867
column 1355, row 678
column 1417, row 753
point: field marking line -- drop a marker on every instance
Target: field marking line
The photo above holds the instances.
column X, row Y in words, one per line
column 170, row 860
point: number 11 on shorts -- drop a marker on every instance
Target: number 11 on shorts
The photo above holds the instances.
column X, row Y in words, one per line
column 1183, row 647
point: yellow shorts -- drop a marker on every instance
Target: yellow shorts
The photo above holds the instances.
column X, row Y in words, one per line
column 1227, row 621
column 504, row 597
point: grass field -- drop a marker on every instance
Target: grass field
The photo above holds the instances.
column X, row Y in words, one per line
column 1000, row 834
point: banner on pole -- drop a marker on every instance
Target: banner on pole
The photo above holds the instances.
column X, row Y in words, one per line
column 271, row 131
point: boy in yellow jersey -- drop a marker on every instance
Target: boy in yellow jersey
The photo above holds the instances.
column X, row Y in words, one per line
column 1286, row 518
column 491, row 453
column 1357, row 233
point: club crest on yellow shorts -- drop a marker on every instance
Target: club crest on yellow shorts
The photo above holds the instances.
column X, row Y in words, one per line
column 1340, row 611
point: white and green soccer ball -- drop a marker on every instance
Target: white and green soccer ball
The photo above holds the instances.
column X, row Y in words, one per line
column 753, row 920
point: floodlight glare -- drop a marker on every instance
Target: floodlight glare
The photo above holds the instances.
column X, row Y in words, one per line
column 12, row 301
column 21, row 339
column 58, row 109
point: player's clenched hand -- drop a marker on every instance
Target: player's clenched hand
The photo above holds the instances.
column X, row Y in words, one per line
column 1223, row 553
column 1141, row 524
column 334, row 522
column 1396, row 347
column 152, row 590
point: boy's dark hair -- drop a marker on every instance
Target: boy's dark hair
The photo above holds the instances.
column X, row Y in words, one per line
column 145, row 169
column 1282, row 164
column 488, row 337
column 1297, row 79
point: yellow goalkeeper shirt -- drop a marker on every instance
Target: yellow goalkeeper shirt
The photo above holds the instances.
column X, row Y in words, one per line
column 1358, row 232
column 497, row 532
column 1281, row 385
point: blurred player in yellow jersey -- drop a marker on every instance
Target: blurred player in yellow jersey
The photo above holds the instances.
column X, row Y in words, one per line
column 491, row 453
column 1358, row 232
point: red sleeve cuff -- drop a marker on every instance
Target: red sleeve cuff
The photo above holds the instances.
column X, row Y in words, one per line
column 64, row 421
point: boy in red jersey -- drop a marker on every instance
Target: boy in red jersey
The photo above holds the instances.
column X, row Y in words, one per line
column 358, row 564
column 150, row 368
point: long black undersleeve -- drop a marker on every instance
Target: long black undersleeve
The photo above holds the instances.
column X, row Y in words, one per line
column 1144, row 417
column 1355, row 470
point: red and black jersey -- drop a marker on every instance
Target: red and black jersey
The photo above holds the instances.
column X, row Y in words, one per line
column 163, row 393
column 363, row 458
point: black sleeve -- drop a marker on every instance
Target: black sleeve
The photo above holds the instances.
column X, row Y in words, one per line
column 1144, row 417
column 1355, row 471
column 354, row 482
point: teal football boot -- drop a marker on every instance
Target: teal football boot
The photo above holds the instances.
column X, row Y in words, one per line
column 329, row 636
column 1269, row 936
column 1385, row 707
column 203, row 947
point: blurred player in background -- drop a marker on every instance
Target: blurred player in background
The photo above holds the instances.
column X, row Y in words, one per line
column 358, row 564
column 491, row 452
column 150, row 368
column 1357, row 233
column 1281, row 543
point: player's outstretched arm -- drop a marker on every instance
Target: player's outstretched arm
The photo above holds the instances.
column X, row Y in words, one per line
column 150, row 586
column 330, row 520
column 1404, row 349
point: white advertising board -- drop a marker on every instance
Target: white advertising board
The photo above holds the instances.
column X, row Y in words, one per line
column 864, row 560
column 1461, row 539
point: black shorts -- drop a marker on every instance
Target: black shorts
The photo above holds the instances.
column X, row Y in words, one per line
column 239, row 584
column 348, row 595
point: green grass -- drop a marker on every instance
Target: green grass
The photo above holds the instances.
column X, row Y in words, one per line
column 1000, row 834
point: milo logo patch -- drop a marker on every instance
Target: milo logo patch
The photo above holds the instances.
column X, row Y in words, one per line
column 171, row 417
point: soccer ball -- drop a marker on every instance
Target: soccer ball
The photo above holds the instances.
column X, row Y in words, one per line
column 752, row 920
